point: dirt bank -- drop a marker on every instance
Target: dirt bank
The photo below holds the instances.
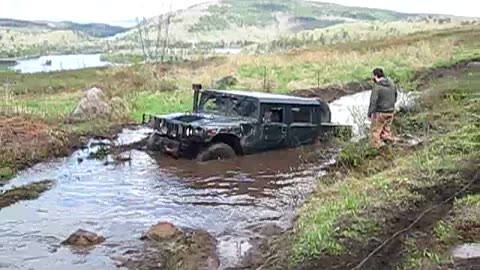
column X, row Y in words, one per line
column 29, row 192
column 422, row 79
column 333, row 92
column 26, row 141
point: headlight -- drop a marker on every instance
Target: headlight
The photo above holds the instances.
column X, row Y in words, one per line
column 193, row 131
column 197, row 131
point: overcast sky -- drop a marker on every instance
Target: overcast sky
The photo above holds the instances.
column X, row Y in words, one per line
column 116, row 11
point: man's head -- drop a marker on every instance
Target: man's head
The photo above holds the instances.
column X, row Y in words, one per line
column 378, row 75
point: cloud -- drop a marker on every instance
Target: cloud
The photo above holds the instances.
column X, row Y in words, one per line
column 121, row 10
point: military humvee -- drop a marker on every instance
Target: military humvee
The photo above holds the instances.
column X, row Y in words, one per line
column 226, row 123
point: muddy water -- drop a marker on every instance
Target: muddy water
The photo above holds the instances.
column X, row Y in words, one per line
column 120, row 201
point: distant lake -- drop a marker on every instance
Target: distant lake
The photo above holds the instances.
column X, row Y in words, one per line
column 228, row 50
column 59, row 62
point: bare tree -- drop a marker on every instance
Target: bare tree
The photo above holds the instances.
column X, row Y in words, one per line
column 166, row 43
column 159, row 35
column 142, row 40
column 162, row 44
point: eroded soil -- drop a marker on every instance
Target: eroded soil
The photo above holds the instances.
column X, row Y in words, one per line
column 28, row 192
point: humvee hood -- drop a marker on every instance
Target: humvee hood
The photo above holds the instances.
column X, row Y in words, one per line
column 207, row 120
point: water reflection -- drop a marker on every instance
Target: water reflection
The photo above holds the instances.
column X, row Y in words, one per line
column 59, row 62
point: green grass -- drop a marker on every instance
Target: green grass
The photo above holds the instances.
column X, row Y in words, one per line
column 470, row 200
column 161, row 103
column 50, row 107
column 6, row 172
column 324, row 226
column 49, row 83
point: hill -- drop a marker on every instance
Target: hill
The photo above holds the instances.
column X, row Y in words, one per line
column 258, row 21
column 91, row 29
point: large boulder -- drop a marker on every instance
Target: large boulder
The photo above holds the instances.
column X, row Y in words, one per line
column 91, row 105
column 83, row 238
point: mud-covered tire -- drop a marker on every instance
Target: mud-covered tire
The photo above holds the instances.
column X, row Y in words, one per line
column 215, row 152
column 153, row 143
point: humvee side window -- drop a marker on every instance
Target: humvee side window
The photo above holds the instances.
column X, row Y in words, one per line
column 301, row 115
column 229, row 105
column 273, row 115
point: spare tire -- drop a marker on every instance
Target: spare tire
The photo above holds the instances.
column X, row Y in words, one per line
column 215, row 152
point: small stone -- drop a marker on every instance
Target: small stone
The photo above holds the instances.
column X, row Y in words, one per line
column 83, row 238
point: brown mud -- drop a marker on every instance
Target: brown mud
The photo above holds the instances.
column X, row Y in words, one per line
column 29, row 192
column 333, row 92
column 28, row 140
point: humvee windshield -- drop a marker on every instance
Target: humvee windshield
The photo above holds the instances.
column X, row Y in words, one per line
column 228, row 105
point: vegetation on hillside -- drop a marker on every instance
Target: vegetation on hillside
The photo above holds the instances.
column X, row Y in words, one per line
column 274, row 24
column 91, row 29
column 259, row 21
column 301, row 14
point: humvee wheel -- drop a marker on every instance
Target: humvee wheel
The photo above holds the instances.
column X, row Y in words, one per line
column 216, row 151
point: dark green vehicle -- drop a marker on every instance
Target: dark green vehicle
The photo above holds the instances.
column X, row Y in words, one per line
column 224, row 124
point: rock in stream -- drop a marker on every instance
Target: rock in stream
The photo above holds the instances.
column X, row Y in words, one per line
column 169, row 247
column 83, row 238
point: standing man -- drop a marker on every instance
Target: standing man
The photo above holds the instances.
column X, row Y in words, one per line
column 381, row 109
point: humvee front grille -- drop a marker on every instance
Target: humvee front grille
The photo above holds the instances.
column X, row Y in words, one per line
column 174, row 130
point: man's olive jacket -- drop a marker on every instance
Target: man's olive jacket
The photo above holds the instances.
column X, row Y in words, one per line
column 383, row 98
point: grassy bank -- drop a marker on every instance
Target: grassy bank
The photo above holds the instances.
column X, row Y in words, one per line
column 379, row 194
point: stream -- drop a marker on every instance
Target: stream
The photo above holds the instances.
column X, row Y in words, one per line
column 120, row 202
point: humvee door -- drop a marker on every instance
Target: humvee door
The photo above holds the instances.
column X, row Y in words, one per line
column 273, row 127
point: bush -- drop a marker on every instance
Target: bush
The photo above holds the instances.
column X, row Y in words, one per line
column 354, row 154
column 165, row 85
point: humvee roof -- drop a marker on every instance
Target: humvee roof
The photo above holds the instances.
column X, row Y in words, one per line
column 268, row 97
